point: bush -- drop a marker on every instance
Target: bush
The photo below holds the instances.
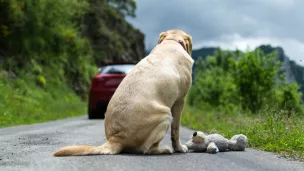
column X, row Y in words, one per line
column 289, row 98
column 247, row 80
column 43, row 32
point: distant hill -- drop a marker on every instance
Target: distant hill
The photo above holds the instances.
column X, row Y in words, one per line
column 293, row 71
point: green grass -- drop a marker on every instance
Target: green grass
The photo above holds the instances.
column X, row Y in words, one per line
column 23, row 102
column 270, row 130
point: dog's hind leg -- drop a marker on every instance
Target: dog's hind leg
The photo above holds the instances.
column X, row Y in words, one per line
column 109, row 148
column 152, row 145
column 159, row 149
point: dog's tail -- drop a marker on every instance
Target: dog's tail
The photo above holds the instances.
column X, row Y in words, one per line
column 107, row 148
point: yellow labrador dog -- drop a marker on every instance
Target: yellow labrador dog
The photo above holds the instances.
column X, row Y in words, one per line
column 147, row 102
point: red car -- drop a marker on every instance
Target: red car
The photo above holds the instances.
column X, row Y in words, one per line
column 103, row 87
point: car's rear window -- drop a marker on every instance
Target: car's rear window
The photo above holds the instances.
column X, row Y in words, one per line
column 116, row 69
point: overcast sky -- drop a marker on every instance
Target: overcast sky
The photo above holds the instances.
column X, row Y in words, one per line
column 229, row 24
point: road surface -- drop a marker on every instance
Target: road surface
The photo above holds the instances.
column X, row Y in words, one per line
column 29, row 148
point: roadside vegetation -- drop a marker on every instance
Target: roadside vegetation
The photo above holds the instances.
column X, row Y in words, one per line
column 246, row 92
column 50, row 49
column 22, row 102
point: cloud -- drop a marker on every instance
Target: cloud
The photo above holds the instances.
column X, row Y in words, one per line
column 230, row 24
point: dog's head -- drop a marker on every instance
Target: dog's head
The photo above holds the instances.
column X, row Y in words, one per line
column 178, row 35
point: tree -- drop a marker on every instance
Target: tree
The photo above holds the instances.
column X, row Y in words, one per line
column 125, row 7
column 251, row 80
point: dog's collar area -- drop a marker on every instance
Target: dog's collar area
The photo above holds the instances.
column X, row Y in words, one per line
column 180, row 42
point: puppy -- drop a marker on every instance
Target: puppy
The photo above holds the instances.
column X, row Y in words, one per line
column 147, row 102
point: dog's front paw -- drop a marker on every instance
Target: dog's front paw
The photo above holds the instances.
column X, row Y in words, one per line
column 181, row 149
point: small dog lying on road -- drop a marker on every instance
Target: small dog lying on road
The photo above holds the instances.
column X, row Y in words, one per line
column 147, row 102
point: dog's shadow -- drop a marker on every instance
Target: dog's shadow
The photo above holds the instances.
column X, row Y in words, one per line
column 173, row 154
column 152, row 155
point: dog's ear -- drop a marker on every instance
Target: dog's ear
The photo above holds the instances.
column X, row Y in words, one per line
column 162, row 36
column 188, row 40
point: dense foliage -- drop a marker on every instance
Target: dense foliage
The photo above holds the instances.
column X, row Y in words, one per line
column 293, row 72
column 113, row 39
column 50, row 49
column 67, row 37
column 249, row 81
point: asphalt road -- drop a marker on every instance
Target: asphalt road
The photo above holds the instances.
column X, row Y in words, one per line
column 26, row 148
